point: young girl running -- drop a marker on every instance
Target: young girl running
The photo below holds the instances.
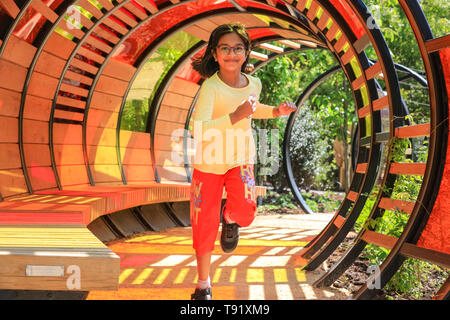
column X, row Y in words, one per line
column 227, row 101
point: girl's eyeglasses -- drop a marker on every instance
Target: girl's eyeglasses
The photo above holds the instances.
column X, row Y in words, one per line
column 226, row 50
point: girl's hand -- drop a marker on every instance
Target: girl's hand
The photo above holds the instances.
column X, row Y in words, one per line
column 285, row 108
column 244, row 110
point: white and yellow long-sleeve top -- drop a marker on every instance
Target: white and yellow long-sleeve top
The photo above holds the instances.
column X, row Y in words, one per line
column 220, row 145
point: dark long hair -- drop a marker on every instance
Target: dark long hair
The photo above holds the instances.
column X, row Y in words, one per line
column 206, row 65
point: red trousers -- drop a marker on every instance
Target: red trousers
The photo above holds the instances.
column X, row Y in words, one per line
column 206, row 198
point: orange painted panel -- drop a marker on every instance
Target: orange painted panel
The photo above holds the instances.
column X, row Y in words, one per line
column 12, row 182
column 10, row 157
column 42, row 178
column 37, row 108
column 37, row 155
column 9, row 103
column 19, row 51
column 72, row 175
column 9, row 128
column 103, row 101
column 135, row 156
column 42, row 85
column 138, row 173
column 67, row 154
column 16, row 75
column 130, row 139
column 67, row 133
column 101, row 118
column 35, row 131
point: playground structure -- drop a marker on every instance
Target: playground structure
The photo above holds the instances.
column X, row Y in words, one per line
column 70, row 178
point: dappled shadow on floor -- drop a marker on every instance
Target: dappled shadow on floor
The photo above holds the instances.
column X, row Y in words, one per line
column 265, row 265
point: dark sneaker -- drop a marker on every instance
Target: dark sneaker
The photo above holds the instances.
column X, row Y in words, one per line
column 229, row 238
column 201, row 294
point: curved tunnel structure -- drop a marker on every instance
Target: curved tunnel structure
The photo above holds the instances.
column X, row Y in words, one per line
column 67, row 69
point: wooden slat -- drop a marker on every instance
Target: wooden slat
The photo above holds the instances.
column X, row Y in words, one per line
column 12, row 182
column 352, row 195
column 312, row 11
column 106, row 4
column 72, row 175
column 88, row 53
column 323, row 20
column 358, row 83
column 259, row 56
column 98, row 44
column 380, row 103
column 42, row 85
column 50, row 65
column 136, row 156
column 68, row 154
column 393, row 204
column 10, row 7
column 119, row 70
column 59, row 46
column 10, row 158
column 435, row 257
column 115, row 26
column 340, row 43
column 44, row 10
column 135, row 10
column 111, row 86
column 16, row 76
column 84, row 66
column 101, row 118
column 361, row 168
column 419, row 130
column 130, row 139
column 347, row 56
column 270, row 47
column 9, row 127
column 301, row 4
column 379, row 239
column 177, row 100
column 19, row 51
column 85, row 4
column 198, row 32
column 339, row 221
column 438, row 43
column 149, row 6
column 374, row 70
column 10, row 103
column 331, row 33
column 74, row 89
column 408, row 168
column 101, row 136
column 361, row 43
column 106, row 34
column 364, row 111
column 290, row 43
column 125, row 18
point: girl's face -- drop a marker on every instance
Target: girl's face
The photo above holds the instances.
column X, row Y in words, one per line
column 230, row 53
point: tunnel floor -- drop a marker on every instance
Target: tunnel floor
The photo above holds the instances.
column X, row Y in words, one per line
column 266, row 265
